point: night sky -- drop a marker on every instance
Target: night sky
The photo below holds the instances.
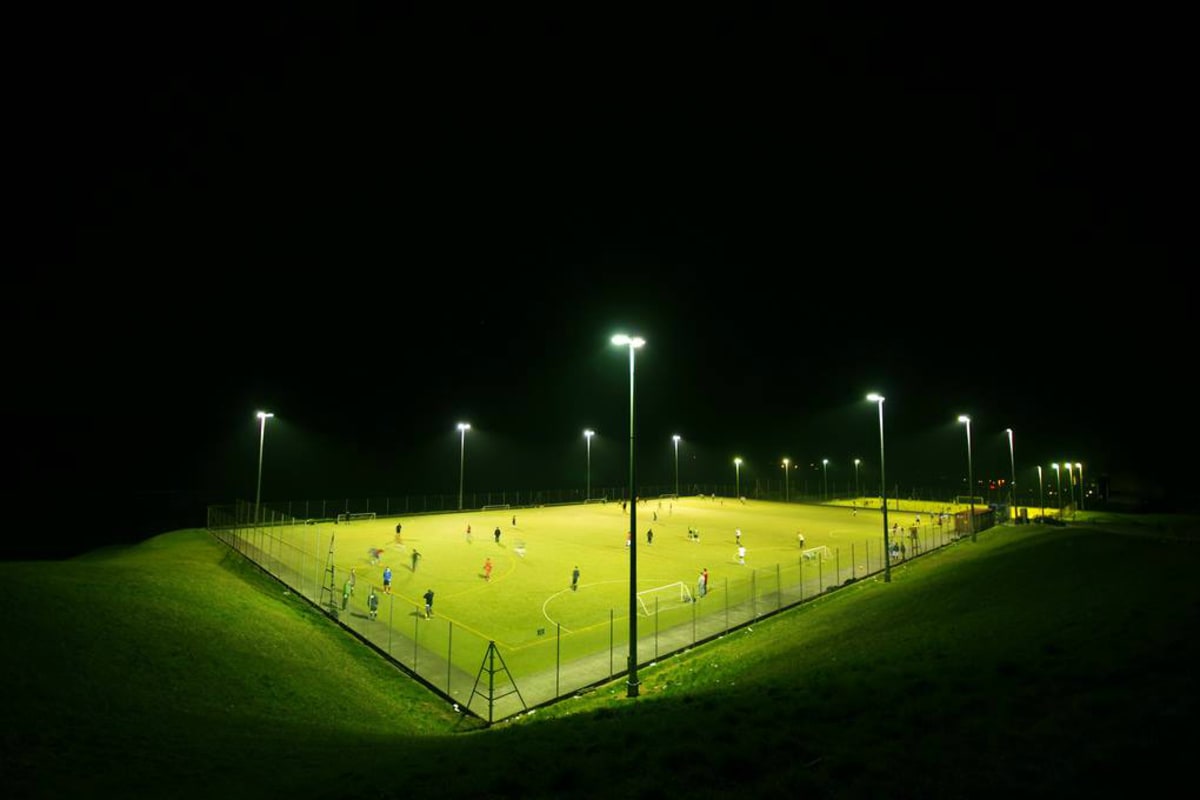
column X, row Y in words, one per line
column 379, row 224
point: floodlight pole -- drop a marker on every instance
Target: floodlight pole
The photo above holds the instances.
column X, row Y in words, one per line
column 1012, row 463
column 588, row 434
column 1041, row 500
column 737, row 478
column 887, row 550
column 1058, row 480
column 463, row 427
column 1071, row 483
column 970, row 473
column 825, row 485
column 675, row 438
column 786, row 469
column 857, row 461
column 633, row 342
column 263, row 416
column 1079, row 467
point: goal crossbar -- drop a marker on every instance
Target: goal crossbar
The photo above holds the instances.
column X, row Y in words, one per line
column 820, row 552
column 351, row 516
column 673, row 594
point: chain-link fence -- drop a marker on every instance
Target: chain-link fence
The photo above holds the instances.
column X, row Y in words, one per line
column 470, row 670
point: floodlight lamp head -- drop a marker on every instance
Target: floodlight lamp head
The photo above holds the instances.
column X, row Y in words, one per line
column 963, row 418
column 264, row 415
column 737, row 462
column 676, row 438
column 464, row 426
column 875, row 397
column 632, row 341
column 589, row 433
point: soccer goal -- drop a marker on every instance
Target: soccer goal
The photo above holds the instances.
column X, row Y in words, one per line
column 596, row 500
column 497, row 507
column 821, row 553
column 670, row 596
column 351, row 517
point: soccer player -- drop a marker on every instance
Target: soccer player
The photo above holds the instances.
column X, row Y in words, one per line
column 387, row 580
column 428, row 603
column 575, row 579
column 487, row 570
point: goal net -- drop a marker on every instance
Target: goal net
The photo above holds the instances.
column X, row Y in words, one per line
column 821, row 553
column 356, row 515
column 670, row 596
column 597, row 500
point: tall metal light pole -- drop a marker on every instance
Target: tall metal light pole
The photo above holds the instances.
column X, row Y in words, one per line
column 970, row 472
column 1079, row 467
column 786, row 467
column 633, row 342
column 1041, row 500
column 463, row 427
column 1071, row 483
column 737, row 474
column 675, row 439
column 1012, row 462
column 263, row 416
column 588, row 434
column 1058, row 479
column 887, row 552
column 825, row 489
column 857, row 461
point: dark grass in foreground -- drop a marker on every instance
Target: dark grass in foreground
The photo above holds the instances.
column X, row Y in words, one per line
column 1035, row 662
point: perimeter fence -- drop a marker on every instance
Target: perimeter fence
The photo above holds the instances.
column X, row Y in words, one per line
column 470, row 670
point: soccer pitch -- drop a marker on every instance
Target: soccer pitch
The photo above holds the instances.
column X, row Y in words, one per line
column 529, row 592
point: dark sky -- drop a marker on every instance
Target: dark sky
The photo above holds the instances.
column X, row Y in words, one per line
column 377, row 224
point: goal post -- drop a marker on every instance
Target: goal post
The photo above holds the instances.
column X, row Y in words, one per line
column 820, row 553
column 669, row 596
column 350, row 517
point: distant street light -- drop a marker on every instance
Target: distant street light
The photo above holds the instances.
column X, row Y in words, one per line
column 737, row 469
column 825, row 489
column 887, row 557
column 675, row 439
column 786, row 462
column 633, row 342
column 970, row 473
column 263, row 416
column 463, row 427
column 588, row 434
column 1012, row 463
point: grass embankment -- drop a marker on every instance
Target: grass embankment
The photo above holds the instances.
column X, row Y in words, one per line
column 1033, row 662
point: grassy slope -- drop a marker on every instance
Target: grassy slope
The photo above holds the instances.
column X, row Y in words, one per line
column 1035, row 662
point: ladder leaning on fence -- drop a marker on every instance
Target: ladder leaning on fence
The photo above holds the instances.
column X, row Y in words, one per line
column 330, row 585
